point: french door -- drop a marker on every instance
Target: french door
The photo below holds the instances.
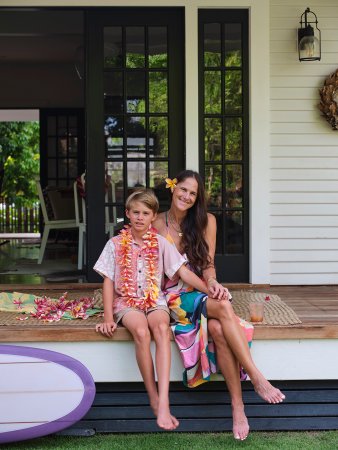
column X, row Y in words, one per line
column 135, row 110
column 224, row 134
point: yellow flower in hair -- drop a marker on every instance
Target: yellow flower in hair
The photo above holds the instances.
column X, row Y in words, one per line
column 171, row 183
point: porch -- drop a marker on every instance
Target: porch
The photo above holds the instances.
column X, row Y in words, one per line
column 299, row 358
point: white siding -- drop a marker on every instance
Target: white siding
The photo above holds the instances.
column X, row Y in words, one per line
column 304, row 151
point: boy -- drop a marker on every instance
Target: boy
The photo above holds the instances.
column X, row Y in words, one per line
column 133, row 266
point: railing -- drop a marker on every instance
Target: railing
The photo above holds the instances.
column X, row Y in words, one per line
column 14, row 219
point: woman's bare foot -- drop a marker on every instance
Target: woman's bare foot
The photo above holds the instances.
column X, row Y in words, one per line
column 240, row 425
column 266, row 391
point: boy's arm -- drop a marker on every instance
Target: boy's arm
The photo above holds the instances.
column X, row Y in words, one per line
column 192, row 279
column 108, row 326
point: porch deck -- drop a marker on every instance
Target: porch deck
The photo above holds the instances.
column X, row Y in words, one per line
column 300, row 358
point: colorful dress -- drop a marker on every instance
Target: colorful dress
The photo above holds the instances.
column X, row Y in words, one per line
column 189, row 310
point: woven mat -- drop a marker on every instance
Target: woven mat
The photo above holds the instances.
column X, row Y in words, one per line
column 276, row 312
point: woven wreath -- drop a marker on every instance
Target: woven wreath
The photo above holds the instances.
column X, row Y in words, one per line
column 329, row 99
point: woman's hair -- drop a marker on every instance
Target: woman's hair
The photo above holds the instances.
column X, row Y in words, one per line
column 145, row 196
column 194, row 225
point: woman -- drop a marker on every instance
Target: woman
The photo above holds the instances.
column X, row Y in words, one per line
column 193, row 231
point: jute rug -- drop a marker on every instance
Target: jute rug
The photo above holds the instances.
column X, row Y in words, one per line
column 276, row 312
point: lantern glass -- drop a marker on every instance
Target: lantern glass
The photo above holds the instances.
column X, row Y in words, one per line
column 309, row 48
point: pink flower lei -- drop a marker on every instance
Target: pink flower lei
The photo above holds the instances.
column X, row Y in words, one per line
column 150, row 247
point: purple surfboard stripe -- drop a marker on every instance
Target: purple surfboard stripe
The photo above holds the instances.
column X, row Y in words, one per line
column 62, row 422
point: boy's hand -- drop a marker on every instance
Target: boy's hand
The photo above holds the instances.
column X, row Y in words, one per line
column 106, row 328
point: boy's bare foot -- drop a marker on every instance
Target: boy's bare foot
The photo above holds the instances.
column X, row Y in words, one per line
column 166, row 421
column 267, row 392
column 240, row 425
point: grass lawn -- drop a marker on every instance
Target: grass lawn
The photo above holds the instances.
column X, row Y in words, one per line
column 311, row 440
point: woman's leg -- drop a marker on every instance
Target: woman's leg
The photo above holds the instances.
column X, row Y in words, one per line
column 229, row 367
column 136, row 322
column 159, row 325
column 235, row 337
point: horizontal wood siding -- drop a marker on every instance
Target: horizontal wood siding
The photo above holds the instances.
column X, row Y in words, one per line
column 304, row 151
column 124, row 407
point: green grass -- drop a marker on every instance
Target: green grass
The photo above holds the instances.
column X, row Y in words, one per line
column 311, row 440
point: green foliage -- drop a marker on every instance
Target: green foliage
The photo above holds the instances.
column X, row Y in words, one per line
column 19, row 162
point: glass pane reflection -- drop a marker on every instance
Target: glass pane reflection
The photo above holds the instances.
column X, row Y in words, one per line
column 158, row 137
column 233, row 138
column 213, row 185
column 113, row 93
column 212, row 139
column 135, row 46
column 136, row 174
column 113, row 56
column 158, row 95
column 212, row 92
column 113, row 132
column 234, row 186
column 135, row 91
column 212, row 45
column 114, row 173
column 136, row 137
column 157, row 47
column 232, row 45
column 234, row 232
column 233, row 91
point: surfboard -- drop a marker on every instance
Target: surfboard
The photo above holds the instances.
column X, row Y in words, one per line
column 41, row 392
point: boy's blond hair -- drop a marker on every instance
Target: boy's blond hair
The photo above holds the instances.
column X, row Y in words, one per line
column 145, row 196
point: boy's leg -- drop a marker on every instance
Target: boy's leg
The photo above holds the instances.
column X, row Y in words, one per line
column 136, row 322
column 159, row 324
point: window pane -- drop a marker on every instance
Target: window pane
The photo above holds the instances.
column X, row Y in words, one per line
column 212, row 92
column 72, row 148
column 157, row 47
column 233, row 138
column 232, row 44
column 114, row 172
column 212, row 139
column 113, row 132
column 62, row 168
column 72, row 168
column 158, row 137
column 62, row 146
column 135, row 88
column 136, row 175
column 213, row 185
column 234, row 232
column 233, row 91
column 220, row 231
column 51, row 168
column 158, row 95
column 212, row 45
column 136, row 137
column 62, row 125
column 113, row 55
column 135, row 47
column 51, row 147
column 158, row 171
column 113, row 93
column 234, row 186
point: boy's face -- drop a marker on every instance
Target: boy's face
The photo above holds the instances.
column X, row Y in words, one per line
column 140, row 216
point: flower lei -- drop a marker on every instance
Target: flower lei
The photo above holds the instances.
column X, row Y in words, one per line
column 151, row 291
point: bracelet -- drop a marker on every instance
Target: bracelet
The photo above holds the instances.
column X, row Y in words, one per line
column 211, row 278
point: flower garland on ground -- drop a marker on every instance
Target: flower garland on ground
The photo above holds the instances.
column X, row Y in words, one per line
column 150, row 247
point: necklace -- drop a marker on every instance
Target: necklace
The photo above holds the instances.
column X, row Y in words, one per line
column 150, row 247
column 173, row 222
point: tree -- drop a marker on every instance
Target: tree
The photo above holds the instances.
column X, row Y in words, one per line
column 19, row 162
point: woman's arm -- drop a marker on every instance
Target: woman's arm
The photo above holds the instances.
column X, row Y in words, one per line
column 209, row 274
column 108, row 326
column 192, row 279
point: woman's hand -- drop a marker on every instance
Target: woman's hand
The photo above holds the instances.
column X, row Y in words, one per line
column 106, row 328
column 217, row 290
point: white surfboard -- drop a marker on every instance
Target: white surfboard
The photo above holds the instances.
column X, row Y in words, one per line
column 41, row 392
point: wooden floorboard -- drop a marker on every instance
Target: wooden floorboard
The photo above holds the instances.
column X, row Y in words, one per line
column 316, row 306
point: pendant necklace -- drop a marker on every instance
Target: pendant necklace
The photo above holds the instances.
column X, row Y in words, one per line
column 172, row 221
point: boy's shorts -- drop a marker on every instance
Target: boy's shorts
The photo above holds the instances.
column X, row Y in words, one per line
column 119, row 316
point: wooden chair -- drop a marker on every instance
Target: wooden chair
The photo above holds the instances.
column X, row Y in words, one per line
column 51, row 224
column 80, row 217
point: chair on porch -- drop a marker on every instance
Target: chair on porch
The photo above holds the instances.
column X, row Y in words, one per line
column 51, row 224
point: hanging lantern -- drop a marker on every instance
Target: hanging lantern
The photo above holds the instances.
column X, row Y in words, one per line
column 309, row 39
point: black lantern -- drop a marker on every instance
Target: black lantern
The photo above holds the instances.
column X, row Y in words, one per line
column 309, row 40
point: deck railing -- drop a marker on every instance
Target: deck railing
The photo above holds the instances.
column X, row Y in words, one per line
column 15, row 219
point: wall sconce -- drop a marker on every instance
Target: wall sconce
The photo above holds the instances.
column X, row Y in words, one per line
column 309, row 39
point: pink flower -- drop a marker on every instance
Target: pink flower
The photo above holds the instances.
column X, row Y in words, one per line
column 267, row 298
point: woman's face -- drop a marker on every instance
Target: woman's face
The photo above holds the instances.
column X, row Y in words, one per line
column 185, row 194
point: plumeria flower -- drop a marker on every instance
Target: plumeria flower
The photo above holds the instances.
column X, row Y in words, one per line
column 171, row 184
